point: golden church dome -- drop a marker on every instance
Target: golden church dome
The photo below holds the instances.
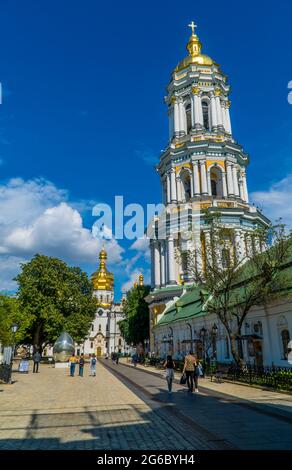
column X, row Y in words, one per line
column 194, row 47
column 102, row 279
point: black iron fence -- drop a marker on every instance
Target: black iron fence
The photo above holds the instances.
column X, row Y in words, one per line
column 275, row 377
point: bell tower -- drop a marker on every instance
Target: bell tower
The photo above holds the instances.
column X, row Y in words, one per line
column 202, row 167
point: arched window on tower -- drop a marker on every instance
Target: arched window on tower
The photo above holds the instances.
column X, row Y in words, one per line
column 189, row 117
column 206, row 115
column 216, row 182
column 186, row 183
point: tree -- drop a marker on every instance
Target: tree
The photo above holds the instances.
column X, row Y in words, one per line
column 232, row 284
column 54, row 297
column 10, row 315
column 135, row 326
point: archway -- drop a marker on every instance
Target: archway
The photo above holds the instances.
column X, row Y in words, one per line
column 216, row 182
column 186, row 185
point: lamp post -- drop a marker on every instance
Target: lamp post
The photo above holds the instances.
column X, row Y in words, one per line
column 214, row 335
column 14, row 329
column 203, row 332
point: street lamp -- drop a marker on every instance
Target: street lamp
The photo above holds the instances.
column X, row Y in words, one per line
column 214, row 334
column 203, row 332
column 14, row 329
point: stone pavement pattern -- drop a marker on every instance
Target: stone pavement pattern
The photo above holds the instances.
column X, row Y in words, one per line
column 51, row 410
column 272, row 399
column 239, row 421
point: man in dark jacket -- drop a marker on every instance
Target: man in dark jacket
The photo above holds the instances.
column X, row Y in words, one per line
column 36, row 361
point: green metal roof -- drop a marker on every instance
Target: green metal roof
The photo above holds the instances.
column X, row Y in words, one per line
column 190, row 304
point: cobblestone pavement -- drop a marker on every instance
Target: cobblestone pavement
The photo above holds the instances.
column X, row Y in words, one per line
column 51, row 410
column 237, row 420
column 271, row 400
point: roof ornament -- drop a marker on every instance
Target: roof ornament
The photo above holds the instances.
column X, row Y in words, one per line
column 193, row 26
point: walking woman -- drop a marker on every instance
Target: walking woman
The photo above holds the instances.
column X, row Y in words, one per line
column 189, row 370
column 169, row 366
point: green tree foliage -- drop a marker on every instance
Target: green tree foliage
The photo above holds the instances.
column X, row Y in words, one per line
column 54, row 297
column 10, row 315
column 135, row 327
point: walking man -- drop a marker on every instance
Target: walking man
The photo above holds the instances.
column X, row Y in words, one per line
column 189, row 370
column 81, row 365
column 36, row 361
column 72, row 361
column 93, row 365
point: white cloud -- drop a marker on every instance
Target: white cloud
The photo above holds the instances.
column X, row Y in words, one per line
column 276, row 202
column 35, row 216
column 142, row 246
column 9, row 268
column 134, row 277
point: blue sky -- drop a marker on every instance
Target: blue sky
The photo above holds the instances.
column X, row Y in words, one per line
column 83, row 117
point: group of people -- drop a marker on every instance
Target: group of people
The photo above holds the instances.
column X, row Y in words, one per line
column 73, row 361
column 192, row 370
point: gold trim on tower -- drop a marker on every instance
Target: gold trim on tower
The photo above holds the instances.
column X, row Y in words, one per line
column 102, row 279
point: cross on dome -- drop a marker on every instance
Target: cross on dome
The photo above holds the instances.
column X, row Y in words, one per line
column 193, row 26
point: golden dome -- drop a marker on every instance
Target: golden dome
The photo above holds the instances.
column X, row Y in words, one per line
column 194, row 47
column 141, row 280
column 102, row 279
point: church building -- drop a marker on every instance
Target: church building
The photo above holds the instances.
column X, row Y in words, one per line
column 202, row 167
column 104, row 336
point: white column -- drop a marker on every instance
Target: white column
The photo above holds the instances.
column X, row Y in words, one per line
column 197, row 110
column 192, row 184
column 173, row 185
column 214, row 120
column 152, row 264
column 218, row 111
column 168, row 188
column 201, row 120
column 224, row 186
column 171, row 123
column 239, row 245
column 171, row 261
column 209, row 183
column 182, row 118
column 162, row 263
column 235, row 180
column 224, row 117
column 193, row 110
column 228, row 121
column 203, row 177
column 196, row 179
column 176, row 118
column 179, row 189
column 245, row 191
column 157, row 264
column 164, row 190
column 229, row 179
column 249, row 249
column 241, row 190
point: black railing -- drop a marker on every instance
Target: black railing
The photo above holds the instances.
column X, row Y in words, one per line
column 274, row 377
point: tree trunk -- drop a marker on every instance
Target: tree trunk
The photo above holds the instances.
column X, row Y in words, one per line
column 234, row 351
column 37, row 341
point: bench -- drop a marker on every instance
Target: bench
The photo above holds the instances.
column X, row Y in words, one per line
column 218, row 373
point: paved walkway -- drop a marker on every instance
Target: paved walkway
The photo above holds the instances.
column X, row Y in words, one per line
column 237, row 421
column 51, row 410
column 275, row 401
